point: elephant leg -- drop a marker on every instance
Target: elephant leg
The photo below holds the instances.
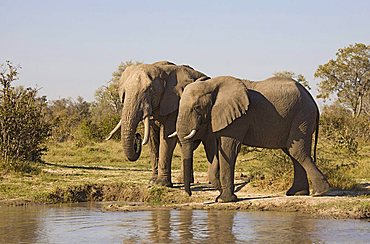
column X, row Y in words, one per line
column 300, row 151
column 228, row 149
column 300, row 182
column 166, row 147
column 154, row 150
column 214, row 173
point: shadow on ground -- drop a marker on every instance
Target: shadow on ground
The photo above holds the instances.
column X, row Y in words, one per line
column 91, row 167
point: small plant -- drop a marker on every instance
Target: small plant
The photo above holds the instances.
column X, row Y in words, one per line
column 156, row 194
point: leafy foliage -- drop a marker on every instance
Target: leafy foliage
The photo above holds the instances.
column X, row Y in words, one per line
column 23, row 126
column 84, row 122
column 336, row 127
column 347, row 76
column 66, row 115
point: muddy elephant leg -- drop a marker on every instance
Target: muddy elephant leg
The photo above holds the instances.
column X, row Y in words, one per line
column 227, row 153
column 154, row 150
column 300, row 182
column 300, row 151
column 166, row 147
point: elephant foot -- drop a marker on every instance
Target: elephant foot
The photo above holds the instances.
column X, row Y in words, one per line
column 153, row 179
column 216, row 183
column 222, row 198
column 180, row 179
column 297, row 192
column 163, row 182
column 321, row 189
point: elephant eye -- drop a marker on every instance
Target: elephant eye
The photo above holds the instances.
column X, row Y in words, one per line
column 197, row 109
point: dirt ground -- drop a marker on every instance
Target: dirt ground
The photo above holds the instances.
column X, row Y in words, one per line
column 136, row 194
column 338, row 204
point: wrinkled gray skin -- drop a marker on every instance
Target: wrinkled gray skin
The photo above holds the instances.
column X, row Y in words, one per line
column 226, row 112
column 151, row 93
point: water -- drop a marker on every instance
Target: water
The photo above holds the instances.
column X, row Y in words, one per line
column 84, row 223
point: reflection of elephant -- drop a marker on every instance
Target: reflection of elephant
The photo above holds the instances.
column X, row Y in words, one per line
column 276, row 113
column 152, row 91
column 221, row 222
column 161, row 226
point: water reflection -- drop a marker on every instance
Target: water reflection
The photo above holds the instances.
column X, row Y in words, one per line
column 220, row 226
column 88, row 224
column 17, row 225
column 161, row 229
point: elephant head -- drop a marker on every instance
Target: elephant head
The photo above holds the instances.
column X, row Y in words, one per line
column 149, row 90
column 205, row 108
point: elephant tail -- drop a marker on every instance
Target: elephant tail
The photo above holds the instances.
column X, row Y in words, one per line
column 316, row 136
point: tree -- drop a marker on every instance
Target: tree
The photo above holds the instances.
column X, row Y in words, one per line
column 23, row 127
column 66, row 116
column 347, row 76
column 300, row 78
column 366, row 106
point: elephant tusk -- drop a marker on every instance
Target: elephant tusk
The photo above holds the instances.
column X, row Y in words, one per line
column 191, row 134
column 114, row 130
column 173, row 134
column 146, row 131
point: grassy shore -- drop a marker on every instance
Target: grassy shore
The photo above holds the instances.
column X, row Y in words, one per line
column 98, row 172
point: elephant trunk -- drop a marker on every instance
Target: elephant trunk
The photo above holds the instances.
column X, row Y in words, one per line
column 130, row 139
column 187, row 160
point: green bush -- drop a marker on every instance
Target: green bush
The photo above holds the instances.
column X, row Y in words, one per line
column 338, row 172
column 23, row 126
column 66, row 116
column 340, row 128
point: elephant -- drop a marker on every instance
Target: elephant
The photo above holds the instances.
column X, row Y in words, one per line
column 225, row 112
column 151, row 93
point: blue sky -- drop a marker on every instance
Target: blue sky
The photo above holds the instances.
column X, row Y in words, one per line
column 70, row 48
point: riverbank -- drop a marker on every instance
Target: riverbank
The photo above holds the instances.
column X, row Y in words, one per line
column 138, row 197
column 341, row 204
column 97, row 173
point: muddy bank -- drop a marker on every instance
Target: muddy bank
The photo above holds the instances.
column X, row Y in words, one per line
column 134, row 197
column 327, row 207
column 353, row 204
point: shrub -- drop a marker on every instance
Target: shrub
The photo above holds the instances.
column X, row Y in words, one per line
column 338, row 172
column 23, row 126
column 66, row 116
column 340, row 128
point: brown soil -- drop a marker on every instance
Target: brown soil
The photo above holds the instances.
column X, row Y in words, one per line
column 341, row 204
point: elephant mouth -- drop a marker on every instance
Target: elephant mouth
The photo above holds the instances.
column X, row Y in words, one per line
column 187, row 137
column 137, row 143
column 191, row 134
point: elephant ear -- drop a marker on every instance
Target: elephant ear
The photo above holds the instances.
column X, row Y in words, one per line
column 170, row 98
column 231, row 102
column 210, row 146
column 175, row 83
